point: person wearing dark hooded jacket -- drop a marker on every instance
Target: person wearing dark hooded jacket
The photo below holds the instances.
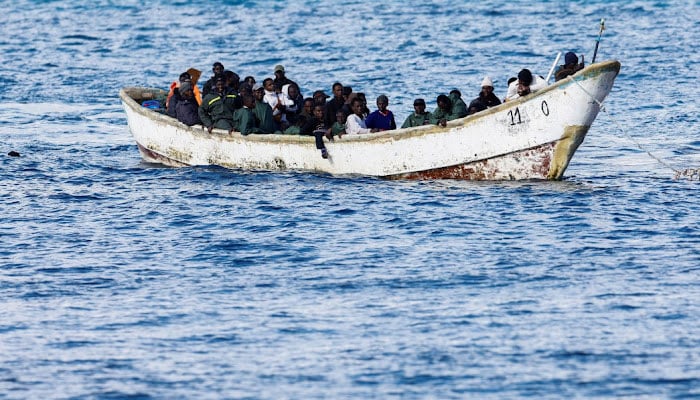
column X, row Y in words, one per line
column 186, row 108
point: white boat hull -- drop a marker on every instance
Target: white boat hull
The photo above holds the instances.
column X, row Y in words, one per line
column 528, row 138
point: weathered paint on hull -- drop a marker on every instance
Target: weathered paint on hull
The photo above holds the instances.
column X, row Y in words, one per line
column 525, row 164
column 528, row 138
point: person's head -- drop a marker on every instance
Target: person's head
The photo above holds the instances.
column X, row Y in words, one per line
column 338, row 90
column 419, row 106
column 444, row 102
column 347, row 90
column 320, row 97
column 382, row 103
column 258, row 92
column 308, row 105
column 220, row 83
column 356, row 106
column 318, row 112
column 524, row 82
column 486, row 86
column 279, row 71
column 268, row 84
column 511, row 80
column 245, row 89
column 456, row 93
column 186, row 90
column 293, row 91
column 248, row 101
column 525, row 77
column 363, row 99
column 185, row 76
column 249, row 80
column 570, row 59
column 340, row 117
column 217, row 68
column 232, row 79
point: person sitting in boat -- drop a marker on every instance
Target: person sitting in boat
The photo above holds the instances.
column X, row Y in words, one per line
column 570, row 67
column 355, row 123
column 319, row 97
column 174, row 93
column 280, row 77
column 317, row 127
column 525, row 84
column 233, row 86
column 291, row 90
column 217, row 108
column 443, row 112
column 338, row 128
column 382, row 119
column 209, row 86
column 308, row 108
column 278, row 101
column 347, row 91
column 248, row 83
column 365, row 109
column 184, row 77
column 244, row 118
column 334, row 104
column 186, row 107
column 263, row 111
column 485, row 99
column 459, row 108
column 419, row 116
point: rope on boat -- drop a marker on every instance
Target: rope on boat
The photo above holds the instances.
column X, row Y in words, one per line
column 689, row 173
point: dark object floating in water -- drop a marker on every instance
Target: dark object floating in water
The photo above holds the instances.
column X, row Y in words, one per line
column 13, row 154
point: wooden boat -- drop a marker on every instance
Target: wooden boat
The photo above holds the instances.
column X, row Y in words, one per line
column 533, row 137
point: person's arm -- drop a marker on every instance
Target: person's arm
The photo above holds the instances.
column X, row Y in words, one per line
column 407, row 123
column 512, row 91
column 205, row 118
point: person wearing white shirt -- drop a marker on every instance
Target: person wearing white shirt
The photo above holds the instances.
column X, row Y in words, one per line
column 277, row 100
column 524, row 85
column 355, row 124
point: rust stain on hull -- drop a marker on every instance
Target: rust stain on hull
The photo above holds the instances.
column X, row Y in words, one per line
column 532, row 163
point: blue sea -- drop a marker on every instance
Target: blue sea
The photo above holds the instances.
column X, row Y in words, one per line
column 126, row 280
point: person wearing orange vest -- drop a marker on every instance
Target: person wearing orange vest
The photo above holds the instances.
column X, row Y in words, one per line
column 184, row 77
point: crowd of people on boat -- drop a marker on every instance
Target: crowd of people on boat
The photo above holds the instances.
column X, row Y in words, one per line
column 278, row 106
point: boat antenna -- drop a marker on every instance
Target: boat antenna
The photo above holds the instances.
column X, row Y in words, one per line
column 597, row 42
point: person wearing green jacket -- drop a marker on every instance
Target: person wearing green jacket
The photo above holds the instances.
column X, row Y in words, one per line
column 216, row 110
column 459, row 107
column 419, row 116
column 263, row 112
column 244, row 118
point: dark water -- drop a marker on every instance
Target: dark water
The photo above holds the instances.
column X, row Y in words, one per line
column 120, row 279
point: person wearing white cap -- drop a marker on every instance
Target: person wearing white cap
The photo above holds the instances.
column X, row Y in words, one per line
column 486, row 97
column 280, row 77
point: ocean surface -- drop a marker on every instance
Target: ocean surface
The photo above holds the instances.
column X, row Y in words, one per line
column 122, row 279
